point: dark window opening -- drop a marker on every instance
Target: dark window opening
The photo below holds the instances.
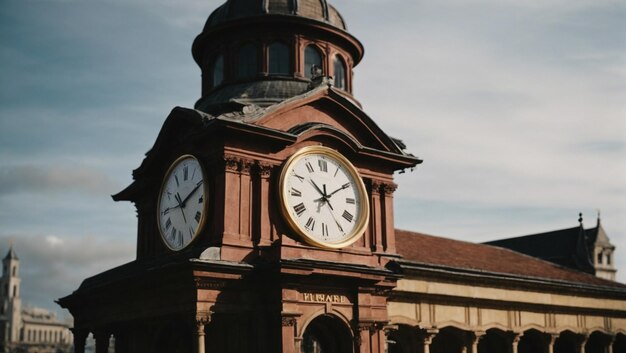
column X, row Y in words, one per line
column 312, row 57
column 247, row 61
column 218, row 71
column 279, row 59
column 340, row 73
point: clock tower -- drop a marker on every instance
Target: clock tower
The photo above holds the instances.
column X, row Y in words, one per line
column 265, row 214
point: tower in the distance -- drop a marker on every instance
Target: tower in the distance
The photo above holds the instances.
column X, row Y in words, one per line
column 11, row 310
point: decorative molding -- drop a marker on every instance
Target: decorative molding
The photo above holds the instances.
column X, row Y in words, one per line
column 389, row 188
column 264, row 169
column 288, row 321
column 246, row 165
column 376, row 186
column 232, row 163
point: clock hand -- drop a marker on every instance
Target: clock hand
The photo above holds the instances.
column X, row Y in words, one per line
column 344, row 186
column 180, row 204
column 317, row 188
column 332, row 214
column 167, row 210
column 191, row 193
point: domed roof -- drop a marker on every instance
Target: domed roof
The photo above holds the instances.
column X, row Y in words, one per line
column 318, row 10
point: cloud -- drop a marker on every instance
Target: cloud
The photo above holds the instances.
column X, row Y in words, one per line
column 56, row 266
column 34, row 179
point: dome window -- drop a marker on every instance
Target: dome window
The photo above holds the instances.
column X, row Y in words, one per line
column 312, row 57
column 339, row 68
column 247, row 61
column 279, row 59
column 218, row 71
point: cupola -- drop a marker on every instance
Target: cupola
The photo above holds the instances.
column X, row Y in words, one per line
column 262, row 52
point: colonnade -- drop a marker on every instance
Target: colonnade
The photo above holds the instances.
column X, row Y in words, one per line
column 408, row 339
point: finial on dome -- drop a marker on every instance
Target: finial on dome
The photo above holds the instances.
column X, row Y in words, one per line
column 580, row 218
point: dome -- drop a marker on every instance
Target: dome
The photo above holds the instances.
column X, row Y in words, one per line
column 318, row 10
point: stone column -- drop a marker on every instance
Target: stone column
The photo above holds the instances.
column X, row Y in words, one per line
column 198, row 333
column 580, row 343
column 426, row 338
column 515, row 337
column 102, row 341
column 474, row 338
column 289, row 334
column 551, row 340
column 80, row 337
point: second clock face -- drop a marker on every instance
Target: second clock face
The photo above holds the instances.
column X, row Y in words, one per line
column 323, row 197
column 182, row 210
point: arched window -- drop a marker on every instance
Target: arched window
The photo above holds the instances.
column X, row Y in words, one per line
column 312, row 57
column 218, row 71
column 339, row 68
column 279, row 59
column 15, row 291
column 246, row 61
column 14, row 271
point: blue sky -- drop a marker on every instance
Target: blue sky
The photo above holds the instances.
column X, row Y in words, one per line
column 517, row 108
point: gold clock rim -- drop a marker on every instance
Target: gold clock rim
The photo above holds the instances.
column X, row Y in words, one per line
column 205, row 189
column 364, row 208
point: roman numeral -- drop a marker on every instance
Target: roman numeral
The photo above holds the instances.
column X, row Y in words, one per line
column 350, row 200
column 199, row 183
column 299, row 208
column 201, row 199
column 336, row 171
column 325, row 230
column 191, row 232
column 198, row 215
column 310, row 224
column 179, row 240
column 177, row 182
column 185, row 172
column 309, row 167
column 323, row 165
column 194, row 173
column 173, row 234
column 296, row 192
column 347, row 215
column 168, row 224
column 299, row 177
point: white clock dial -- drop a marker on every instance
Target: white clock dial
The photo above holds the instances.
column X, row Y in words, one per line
column 182, row 203
column 323, row 197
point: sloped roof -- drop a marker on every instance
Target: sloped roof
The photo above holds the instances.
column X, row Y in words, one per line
column 438, row 251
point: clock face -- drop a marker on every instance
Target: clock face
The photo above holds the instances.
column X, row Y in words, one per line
column 182, row 203
column 323, row 197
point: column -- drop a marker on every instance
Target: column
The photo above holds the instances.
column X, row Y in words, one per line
column 289, row 334
column 198, row 333
column 551, row 340
column 515, row 337
column 474, row 338
column 80, row 337
column 581, row 340
column 426, row 338
column 102, row 341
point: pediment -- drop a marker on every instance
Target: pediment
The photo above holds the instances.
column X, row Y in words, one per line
column 328, row 108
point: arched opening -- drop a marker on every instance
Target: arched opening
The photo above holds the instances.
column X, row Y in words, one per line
column 448, row 340
column 620, row 343
column 326, row 334
column 402, row 340
column 217, row 73
column 174, row 337
column 597, row 343
column 247, row 61
column 312, row 57
column 14, row 271
column 566, row 342
column 278, row 59
column 533, row 341
column 339, row 69
column 493, row 342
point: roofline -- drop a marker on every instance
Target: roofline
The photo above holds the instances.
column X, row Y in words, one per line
column 498, row 278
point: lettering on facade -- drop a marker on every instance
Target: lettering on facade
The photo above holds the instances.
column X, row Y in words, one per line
column 324, row 298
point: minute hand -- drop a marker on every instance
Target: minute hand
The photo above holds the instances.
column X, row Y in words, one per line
column 344, row 186
column 191, row 193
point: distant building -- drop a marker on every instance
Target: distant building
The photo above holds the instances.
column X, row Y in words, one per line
column 586, row 250
column 27, row 329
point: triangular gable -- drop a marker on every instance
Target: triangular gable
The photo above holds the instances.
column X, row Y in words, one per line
column 326, row 106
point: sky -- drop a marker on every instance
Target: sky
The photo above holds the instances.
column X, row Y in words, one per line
column 518, row 109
